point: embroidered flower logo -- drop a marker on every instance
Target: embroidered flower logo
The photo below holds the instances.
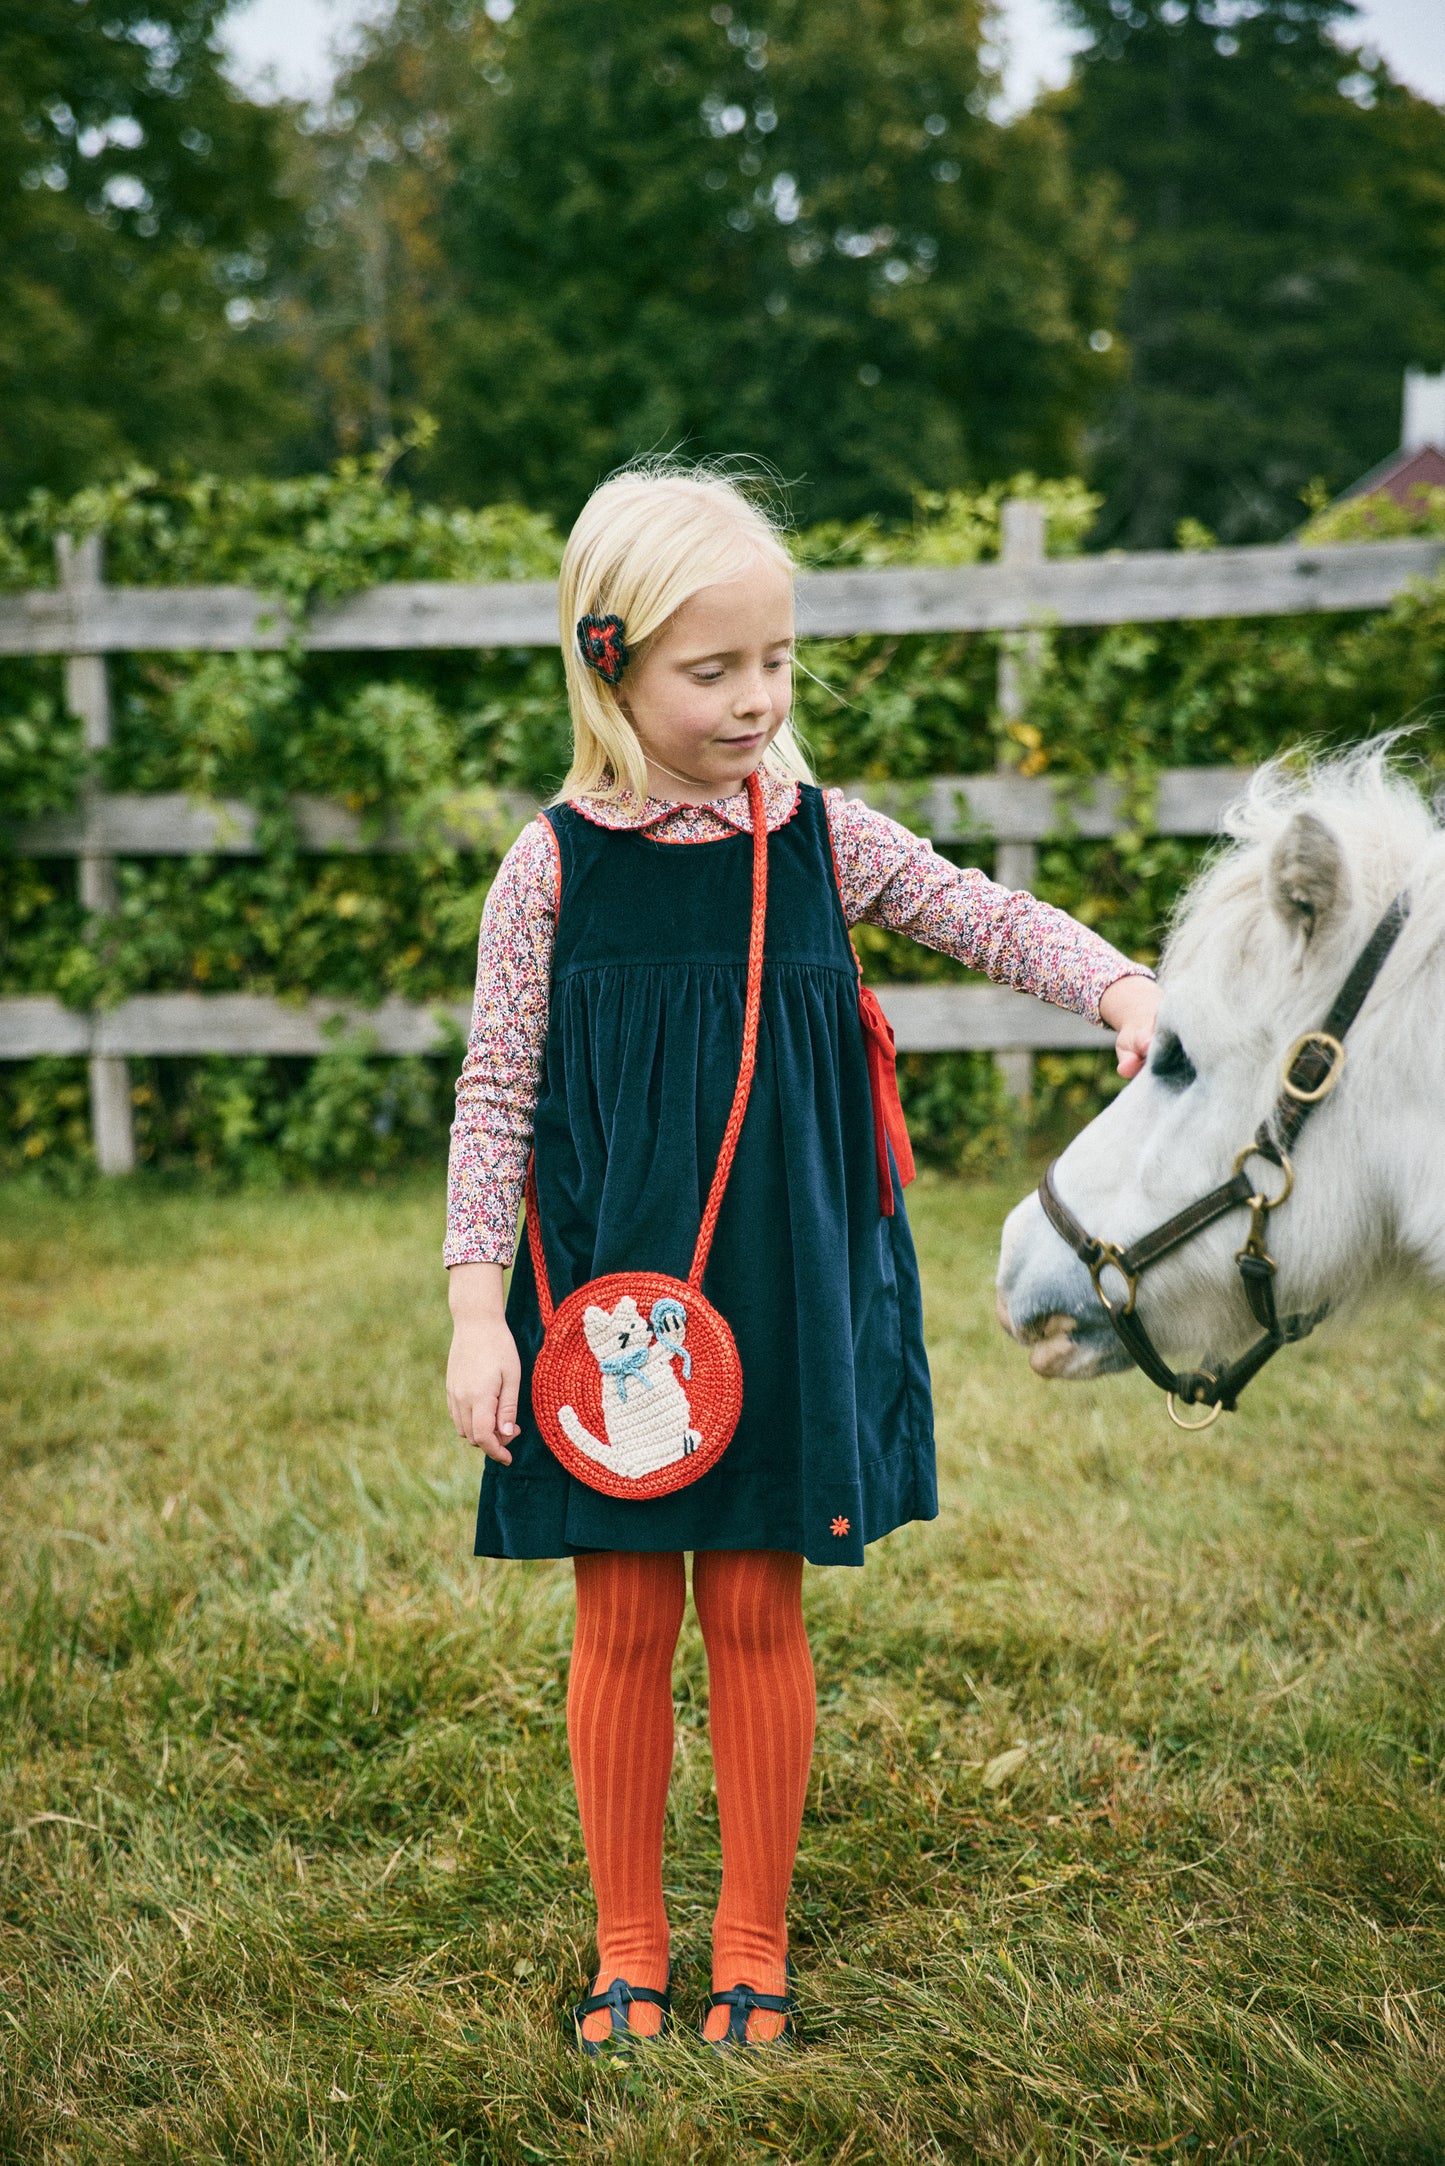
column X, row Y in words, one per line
column 841, row 1525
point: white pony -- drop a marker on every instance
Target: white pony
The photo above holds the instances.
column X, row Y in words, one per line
column 1260, row 947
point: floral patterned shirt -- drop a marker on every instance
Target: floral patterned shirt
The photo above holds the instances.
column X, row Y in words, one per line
column 886, row 876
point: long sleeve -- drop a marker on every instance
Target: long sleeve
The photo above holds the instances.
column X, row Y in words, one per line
column 894, row 879
column 497, row 1088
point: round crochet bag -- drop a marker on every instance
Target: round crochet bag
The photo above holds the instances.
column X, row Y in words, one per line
column 638, row 1386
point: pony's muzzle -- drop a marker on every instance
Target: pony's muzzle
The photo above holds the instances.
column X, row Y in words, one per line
column 1047, row 1304
column 1056, row 1346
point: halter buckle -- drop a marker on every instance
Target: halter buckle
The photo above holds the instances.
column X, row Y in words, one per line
column 1108, row 1255
column 1335, row 1051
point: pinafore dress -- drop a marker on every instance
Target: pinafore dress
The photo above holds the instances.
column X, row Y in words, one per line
column 834, row 1446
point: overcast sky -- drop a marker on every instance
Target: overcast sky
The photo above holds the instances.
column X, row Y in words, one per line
column 289, row 43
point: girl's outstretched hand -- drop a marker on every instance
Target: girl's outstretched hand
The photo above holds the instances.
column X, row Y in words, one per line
column 1128, row 1008
column 484, row 1373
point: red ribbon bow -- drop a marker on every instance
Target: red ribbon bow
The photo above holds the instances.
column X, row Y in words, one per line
column 889, row 1125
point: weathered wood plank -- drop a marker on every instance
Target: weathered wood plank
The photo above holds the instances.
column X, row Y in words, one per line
column 167, row 824
column 1012, row 808
column 182, row 1023
column 171, row 824
column 983, row 1019
column 437, row 613
column 1145, row 587
column 120, row 620
column 399, row 615
column 81, row 567
column 32, row 1024
column 1148, row 586
column 190, row 1023
column 926, row 1018
column 949, row 808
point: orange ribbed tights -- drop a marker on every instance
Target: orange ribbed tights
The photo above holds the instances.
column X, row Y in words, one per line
column 619, row 1726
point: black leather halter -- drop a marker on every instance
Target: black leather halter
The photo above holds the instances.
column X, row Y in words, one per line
column 1312, row 1068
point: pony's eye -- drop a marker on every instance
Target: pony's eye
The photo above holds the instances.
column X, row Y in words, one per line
column 1170, row 1064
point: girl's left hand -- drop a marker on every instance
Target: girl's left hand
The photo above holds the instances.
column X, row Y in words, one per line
column 1129, row 1008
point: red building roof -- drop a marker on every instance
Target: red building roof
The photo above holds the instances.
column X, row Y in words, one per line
column 1401, row 475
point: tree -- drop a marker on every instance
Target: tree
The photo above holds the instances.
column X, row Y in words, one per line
column 139, row 214
column 1287, row 255
column 652, row 224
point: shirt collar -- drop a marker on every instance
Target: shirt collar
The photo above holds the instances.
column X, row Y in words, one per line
column 780, row 801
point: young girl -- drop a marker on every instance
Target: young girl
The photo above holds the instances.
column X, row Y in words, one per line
column 609, row 1017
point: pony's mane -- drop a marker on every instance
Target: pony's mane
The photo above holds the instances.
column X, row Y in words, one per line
column 1389, row 833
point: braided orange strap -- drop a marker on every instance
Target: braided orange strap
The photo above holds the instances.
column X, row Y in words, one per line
column 534, row 1243
column 751, row 1007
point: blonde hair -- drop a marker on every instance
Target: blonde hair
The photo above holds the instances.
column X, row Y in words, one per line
column 645, row 542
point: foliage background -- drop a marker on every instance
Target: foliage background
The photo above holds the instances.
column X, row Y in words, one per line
column 144, row 212
column 430, row 739
column 792, row 226
column 580, row 230
column 1284, row 202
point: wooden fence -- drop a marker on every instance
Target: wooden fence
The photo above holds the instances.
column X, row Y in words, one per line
column 84, row 620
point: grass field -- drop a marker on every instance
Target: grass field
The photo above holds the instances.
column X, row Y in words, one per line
column 290, row 1859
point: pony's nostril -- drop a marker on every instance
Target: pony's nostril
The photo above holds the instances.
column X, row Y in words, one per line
column 1054, row 1349
column 1058, row 1324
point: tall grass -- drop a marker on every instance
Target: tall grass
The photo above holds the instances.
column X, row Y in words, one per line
column 1125, row 1837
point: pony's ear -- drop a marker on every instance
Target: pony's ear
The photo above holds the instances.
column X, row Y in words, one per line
column 1308, row 882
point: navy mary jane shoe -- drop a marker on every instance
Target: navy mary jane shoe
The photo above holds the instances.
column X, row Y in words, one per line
column 617, row 2000
column 740, row 2001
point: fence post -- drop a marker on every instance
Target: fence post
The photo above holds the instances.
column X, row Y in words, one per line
column 1022, row 541
column 87, row 695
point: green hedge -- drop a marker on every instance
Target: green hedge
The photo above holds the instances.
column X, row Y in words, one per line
column 429, row 739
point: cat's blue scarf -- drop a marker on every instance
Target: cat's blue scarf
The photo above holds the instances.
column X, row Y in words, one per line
column 623, row 1366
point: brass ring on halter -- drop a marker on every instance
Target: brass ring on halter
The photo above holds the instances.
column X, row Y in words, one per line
column 1330, row 1045
column 1268, row 1203
column 1109, row 1256
column 1191, row 1426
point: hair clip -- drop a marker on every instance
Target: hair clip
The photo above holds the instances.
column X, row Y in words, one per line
column 602, row 644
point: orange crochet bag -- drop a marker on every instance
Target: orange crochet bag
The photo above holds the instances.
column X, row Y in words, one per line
column 638, row 1386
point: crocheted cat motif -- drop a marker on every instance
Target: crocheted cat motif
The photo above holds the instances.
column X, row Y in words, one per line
column 644, row 1407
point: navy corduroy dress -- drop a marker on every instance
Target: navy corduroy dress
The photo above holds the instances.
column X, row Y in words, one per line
column 834, row 1446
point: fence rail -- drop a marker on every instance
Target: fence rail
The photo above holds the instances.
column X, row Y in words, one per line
column 948, row 808
column 1145, row 587
column 925, row 1018
column 85, row 620
column 955, row 809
